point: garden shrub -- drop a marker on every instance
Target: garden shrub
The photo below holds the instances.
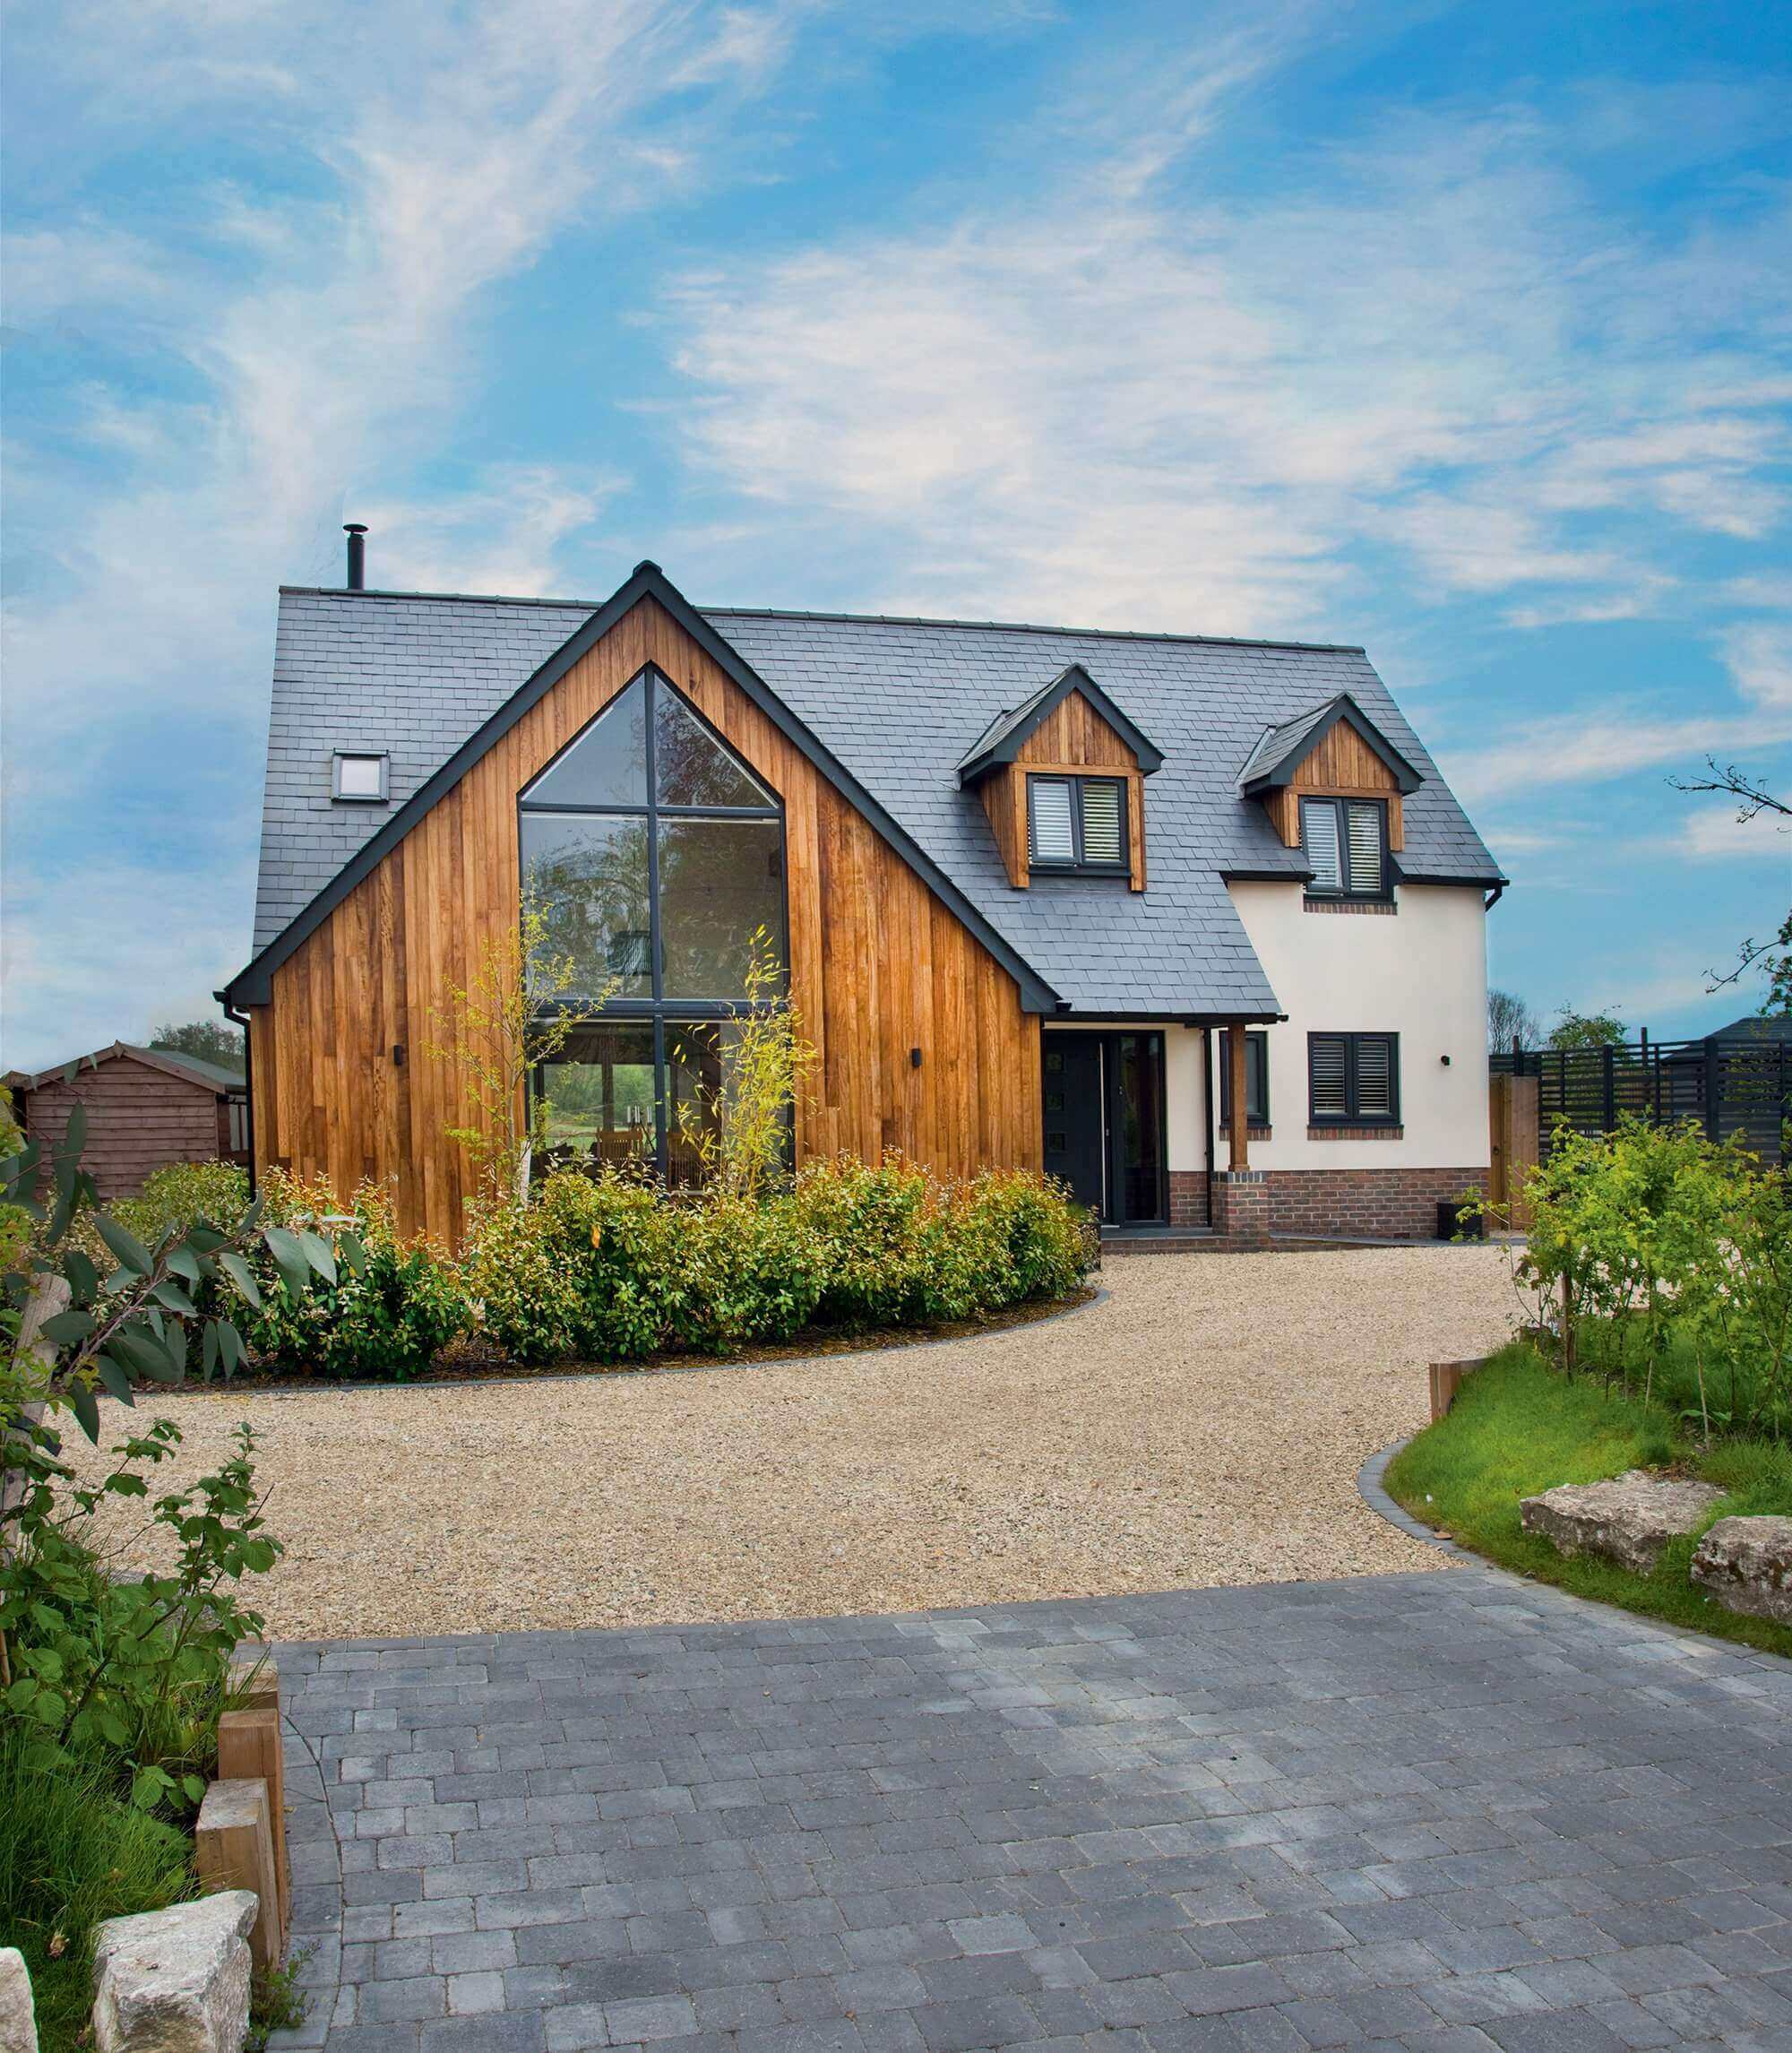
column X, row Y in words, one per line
column 388, row 1318
column 608, row 1268
column 180, row 1194
column 1662, row 1260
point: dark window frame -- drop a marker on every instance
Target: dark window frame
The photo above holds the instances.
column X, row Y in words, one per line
column 1257, row 1043
column 339, row 796
column 1079, row 866
column 658, row 1011
column 1340, row 804
column 1352, row 1114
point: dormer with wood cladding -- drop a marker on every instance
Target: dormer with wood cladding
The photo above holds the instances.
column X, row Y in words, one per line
column 1061, row 777
column 1333, row 785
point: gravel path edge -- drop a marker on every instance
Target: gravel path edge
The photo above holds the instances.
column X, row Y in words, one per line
column 1373, row 1491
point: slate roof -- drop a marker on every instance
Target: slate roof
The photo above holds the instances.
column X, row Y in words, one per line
column 898, row 702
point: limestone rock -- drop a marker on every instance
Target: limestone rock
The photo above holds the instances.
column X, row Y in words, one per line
column 18, row 2017
column 1628, row 1518
column 176, row 1980
column 1746, row 1565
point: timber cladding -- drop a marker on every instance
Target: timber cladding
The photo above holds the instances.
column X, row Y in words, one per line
column 345, row 1086
column 1341, row 765
column 1073, row 738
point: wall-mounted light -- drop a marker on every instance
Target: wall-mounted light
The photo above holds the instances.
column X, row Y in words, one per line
column 914, row 1058
column 1444, row 1059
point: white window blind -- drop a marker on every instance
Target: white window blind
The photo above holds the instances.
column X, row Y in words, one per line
column 1103, row 816
column 1049, row 809
column 1365, row 847
column 1375, row 1078
column 1319, row 837
column 1330, row 1061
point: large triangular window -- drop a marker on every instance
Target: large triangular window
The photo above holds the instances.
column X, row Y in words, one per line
column 655, row 858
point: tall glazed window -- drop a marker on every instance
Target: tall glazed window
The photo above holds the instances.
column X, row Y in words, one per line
column 655, row 858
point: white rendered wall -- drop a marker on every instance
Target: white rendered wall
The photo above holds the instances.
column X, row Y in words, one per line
column 1421, row 974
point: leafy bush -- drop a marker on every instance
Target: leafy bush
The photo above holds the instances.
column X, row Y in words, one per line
column 1657, row 1258
column 126, row 1671
column 389, row 1317
column 180, row 1194
column 608, row 1268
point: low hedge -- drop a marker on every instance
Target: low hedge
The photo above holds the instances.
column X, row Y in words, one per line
column 612, row 1269
column 602, row 1269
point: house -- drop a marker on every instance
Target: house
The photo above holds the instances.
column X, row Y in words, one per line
column 1192, row 924
column 146, row 1107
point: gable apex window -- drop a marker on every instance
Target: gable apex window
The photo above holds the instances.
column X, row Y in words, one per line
column 1353, row 1078
column 360, row 777
column 655, row 858
column 1345, row 841
column 1078, row 825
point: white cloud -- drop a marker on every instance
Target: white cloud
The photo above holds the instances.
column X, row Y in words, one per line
column 1125, row 399
column 1715, row 834
column 1760, row 654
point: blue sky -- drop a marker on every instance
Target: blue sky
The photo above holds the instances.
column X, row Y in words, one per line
column 1460, row 331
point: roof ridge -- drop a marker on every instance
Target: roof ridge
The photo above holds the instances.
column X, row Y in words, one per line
column 858, row 619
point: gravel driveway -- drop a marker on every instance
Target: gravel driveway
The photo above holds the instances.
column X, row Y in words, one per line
column 1202, row 1424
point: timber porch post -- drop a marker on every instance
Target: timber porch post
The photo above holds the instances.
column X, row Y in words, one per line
column 1239, row 1200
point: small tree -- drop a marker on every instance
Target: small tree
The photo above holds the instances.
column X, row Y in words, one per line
column 517, row 1011
column 1510, row 1020
column 207, row 1040
column 1587, row 1030
column 739, row 1130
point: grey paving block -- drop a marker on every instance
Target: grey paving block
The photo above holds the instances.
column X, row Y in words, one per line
column 1445, row 1813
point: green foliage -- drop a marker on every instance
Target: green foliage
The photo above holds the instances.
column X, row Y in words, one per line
column 183, row 1195
column 1587, row 1030
column 210, row 1040
column 126, row 1671
column 1657, row 1258
column 71, row 1856
column 1519, row 1427
column 609, row 1269
column 276, row 2001
column 389, row 1317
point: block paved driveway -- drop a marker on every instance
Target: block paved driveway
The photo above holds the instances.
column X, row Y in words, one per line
column 1445, row 1812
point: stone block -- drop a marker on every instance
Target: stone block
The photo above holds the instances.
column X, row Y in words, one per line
column 18, row 2015
column 176, row 1980
column 1628, row 1518
column 1746, row 1565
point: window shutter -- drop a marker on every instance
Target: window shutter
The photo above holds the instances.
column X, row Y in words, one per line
column 1319, row 837
column 1049, row 819
column 1374, row 1077
column 1365, row 846
column 1330, row 1059
column 1103, row 820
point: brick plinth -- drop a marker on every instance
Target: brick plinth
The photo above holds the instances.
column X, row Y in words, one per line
column 1379, row 1204
column 1188, row 1197
column 1241, row 1207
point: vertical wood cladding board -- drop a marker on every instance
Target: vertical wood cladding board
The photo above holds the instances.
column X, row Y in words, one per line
column 878, row 967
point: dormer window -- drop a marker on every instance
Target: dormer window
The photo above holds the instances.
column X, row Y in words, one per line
column 1077, row 824
column 359, row 777
column 1345, row 840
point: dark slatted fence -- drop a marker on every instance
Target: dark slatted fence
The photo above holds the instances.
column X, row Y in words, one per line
column 1729, row 1087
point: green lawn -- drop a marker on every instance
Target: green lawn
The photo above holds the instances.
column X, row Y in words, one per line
column 1518, row 1428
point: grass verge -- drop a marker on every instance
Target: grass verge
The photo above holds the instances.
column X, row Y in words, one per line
column 1518, row 1427
column 72, row 1854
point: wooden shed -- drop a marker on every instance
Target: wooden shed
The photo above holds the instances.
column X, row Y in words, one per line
column 146, row 1107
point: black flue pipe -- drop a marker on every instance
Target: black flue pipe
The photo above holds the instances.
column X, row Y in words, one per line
column 357, row 555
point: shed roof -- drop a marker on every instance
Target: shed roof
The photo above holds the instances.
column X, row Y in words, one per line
column 890, row 702
column 171, row 1062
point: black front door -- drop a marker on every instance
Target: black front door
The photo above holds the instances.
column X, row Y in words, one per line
column 1076, row 1130
column 1103, row 1122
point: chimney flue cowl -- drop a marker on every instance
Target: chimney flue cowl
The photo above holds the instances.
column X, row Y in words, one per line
column 358, row 554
